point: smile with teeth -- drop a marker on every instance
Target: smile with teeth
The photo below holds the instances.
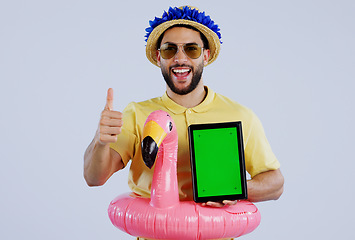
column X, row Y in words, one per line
column 181, row 70
column 181, row 73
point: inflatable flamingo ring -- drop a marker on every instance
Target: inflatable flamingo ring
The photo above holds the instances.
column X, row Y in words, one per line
column 163, row 216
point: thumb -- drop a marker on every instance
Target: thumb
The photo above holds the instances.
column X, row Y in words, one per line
column 109, row 99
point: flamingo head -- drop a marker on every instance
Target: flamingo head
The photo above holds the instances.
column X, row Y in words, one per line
column 158, row 126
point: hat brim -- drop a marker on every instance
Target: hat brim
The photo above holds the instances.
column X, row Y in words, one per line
column 212, row 38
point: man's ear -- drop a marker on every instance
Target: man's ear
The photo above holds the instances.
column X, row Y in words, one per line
column 206, row 56
column 158, row 57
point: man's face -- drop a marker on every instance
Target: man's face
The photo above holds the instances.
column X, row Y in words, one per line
column 181, row 73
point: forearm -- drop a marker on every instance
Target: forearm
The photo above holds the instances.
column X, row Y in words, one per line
column 266, row 186
column 97, row 163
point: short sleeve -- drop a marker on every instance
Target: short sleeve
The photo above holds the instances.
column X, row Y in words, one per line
column 127, row 139
column 258, row 153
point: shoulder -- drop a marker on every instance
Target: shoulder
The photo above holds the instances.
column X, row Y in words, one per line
column 224, row 108
column 143, row 105
column 142, row 109
column 228, row 104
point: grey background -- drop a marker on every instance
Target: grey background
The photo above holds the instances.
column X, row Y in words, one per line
column 292, row 62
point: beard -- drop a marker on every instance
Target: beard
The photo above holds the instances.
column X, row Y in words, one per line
column 196, row 78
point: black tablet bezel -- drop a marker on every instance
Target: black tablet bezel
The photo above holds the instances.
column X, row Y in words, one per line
column 238, row 126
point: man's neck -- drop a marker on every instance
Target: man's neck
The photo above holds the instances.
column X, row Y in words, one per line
column 191, row 99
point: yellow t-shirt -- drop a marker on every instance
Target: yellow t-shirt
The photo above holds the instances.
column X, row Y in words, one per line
column 215, row 108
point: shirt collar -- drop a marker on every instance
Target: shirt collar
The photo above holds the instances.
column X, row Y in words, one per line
column 178, row 109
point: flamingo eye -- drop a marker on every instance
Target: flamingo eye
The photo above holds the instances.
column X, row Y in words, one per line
column 170, row 126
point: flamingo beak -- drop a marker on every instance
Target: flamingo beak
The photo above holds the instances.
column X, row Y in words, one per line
column 153, row 136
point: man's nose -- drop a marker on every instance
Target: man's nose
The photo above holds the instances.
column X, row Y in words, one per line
column 180, row 55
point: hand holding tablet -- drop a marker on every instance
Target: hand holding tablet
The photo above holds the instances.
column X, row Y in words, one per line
column 217, row 163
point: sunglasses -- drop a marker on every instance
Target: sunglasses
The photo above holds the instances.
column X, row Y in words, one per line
column 169, row 50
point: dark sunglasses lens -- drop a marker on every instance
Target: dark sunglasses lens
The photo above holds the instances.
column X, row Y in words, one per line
column 168, row 50
column 192, row 50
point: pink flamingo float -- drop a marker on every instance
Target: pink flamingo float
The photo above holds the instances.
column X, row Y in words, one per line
column 163, row 216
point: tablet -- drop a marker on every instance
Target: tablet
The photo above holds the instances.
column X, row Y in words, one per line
column 217, row 161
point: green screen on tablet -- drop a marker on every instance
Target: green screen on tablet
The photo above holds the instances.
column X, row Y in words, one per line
column 217, row 161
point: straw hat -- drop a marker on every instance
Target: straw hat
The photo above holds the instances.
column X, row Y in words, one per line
column 185, row 15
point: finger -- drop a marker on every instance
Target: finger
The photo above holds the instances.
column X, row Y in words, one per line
column 106, row 138
column 110, row 130
column 111, row 114
column 111, row 122
column 109, row 100
column 230, row 202
column 215, row 204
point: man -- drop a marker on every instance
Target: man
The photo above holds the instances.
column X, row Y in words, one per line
column 181, row 48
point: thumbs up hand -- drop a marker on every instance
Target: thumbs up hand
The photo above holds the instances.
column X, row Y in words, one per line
column 110, row 122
